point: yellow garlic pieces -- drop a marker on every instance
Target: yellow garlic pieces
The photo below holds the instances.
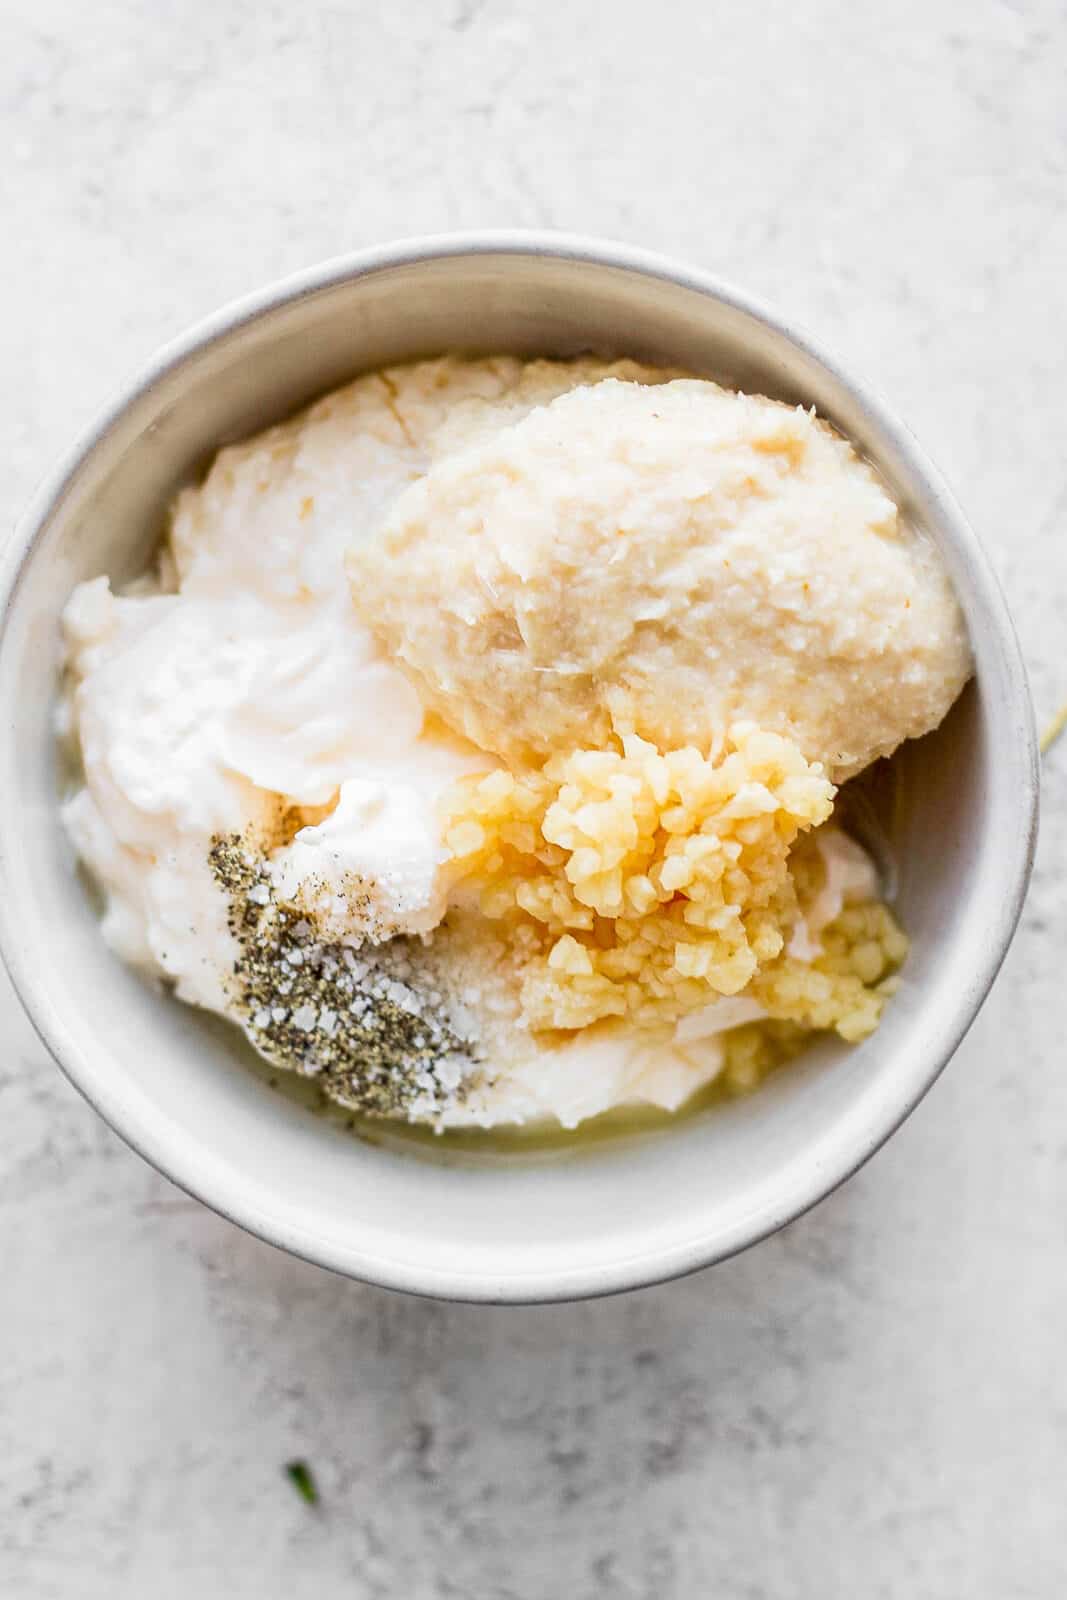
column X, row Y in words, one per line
column 654, row 881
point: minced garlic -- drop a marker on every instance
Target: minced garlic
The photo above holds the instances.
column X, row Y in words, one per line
column 845, row 988
column 656, row 880
column 847, row 984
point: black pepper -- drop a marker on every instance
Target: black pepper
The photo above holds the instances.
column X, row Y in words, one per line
column 355, row 1016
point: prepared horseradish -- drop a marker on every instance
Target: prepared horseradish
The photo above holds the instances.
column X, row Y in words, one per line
column 474, row 743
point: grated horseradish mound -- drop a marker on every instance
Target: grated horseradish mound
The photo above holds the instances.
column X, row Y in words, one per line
column 664, row 560
column 473, row 743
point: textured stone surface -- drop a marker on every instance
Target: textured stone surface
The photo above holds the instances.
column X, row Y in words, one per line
column 874, row 1403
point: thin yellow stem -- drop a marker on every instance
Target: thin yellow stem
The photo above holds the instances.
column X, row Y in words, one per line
column 1054, row 729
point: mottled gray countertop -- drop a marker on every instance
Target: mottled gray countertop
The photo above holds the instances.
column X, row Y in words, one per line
column 875, row 1402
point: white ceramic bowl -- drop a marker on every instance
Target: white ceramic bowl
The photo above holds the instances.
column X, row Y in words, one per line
column 961, row 813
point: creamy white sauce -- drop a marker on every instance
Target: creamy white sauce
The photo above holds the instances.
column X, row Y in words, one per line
column 593, row 1073
column 383, row 835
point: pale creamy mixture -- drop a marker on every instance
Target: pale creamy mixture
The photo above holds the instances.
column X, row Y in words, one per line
column 474, row 744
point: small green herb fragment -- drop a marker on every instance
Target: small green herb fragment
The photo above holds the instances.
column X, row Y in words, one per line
column 300, row 1476
column 1054, row 729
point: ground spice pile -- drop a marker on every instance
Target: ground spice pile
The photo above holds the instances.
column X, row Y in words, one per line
column 352, row 1017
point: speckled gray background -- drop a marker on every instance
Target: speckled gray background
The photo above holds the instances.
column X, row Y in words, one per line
column 874, row 1404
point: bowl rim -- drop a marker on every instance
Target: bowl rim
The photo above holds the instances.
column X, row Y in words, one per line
column 221, row 1192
